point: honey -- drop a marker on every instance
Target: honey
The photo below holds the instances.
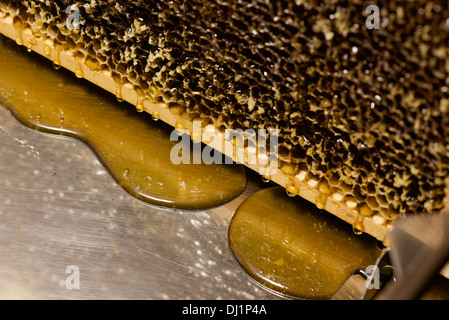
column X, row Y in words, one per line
column 134, row 148
column 294, row 249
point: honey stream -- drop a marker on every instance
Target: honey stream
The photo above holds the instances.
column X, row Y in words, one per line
column 134, row 148
column 291, row 247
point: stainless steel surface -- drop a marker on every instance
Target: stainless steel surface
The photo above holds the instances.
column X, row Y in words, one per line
column 61, row 212
column 353, row 289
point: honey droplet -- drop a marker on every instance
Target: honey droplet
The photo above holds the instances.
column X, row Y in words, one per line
column 118, row 88
column 155, row 116
column 19, row 30
column 139, row 102
column 358, row 227
column 19, row 39
column 57, row 56
column 290, row 194
column 179, row 128
column 79, row 68
column 357, row 230
column 321, row 200
column 79, row 73
column 292, row 191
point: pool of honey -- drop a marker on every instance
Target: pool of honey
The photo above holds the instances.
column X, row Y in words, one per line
column 131, row 144
column 293, row 248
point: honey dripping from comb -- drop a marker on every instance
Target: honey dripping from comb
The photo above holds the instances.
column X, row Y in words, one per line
column 134, row 148
column 290, row 247
column 368, row 105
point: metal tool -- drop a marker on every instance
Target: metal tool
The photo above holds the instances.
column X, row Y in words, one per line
column 418, row 248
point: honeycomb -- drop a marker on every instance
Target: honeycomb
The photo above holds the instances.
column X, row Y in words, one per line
column 362, row 113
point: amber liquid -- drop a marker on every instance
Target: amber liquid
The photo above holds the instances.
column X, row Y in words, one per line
column 134, row 148
column 293, row 248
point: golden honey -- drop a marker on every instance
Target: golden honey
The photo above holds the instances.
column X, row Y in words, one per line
column 134, row 148
column 291, row 247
